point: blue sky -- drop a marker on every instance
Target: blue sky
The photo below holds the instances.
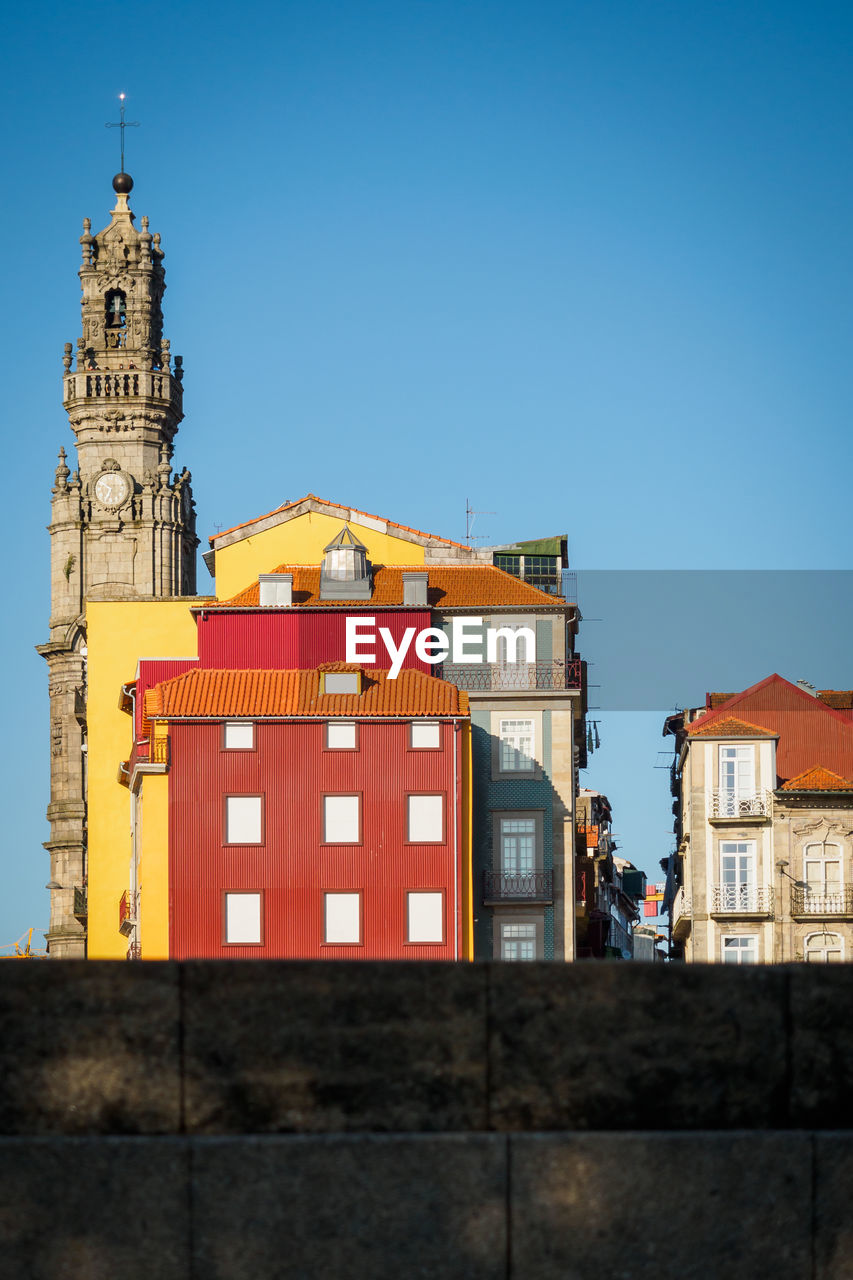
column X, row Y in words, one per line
column 586, row 264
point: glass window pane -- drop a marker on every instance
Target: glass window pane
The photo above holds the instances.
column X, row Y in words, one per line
column 239, row 736
column 340, row 735
column 426, row 734
column 243, row 917
column 343, row 917
column 425, row 917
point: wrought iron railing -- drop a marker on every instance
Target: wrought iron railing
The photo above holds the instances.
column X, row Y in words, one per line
column 725, row 804
column 682, row 906
column 742, row 899
column 482, row 677
column 620, row 937
column 81, row 903
column 518, row 886
column 807, row 902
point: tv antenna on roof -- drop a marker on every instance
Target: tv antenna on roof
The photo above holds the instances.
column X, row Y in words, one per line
column 470, row 518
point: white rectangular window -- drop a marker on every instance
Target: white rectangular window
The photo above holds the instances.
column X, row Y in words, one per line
column 239, row 736
column 343, row 918
column 426, row 734
column 518, row 845
column 340, row 682
column 425, row 917
column 737, row 780
column 518, row 942
column 341, row 823
column 243, row 918
column 340, row 735
column 517, row 746
column 743, row 950
column 737, row 867
column 243, row 819
column 426, row 820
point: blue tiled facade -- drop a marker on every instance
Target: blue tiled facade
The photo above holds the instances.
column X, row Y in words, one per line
column 496, row 795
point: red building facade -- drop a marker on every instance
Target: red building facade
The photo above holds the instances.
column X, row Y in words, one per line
column 308, row 821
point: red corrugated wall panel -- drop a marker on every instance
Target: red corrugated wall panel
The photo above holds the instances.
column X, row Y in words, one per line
column 151, row 671
column 291, row 769
column 297, row 638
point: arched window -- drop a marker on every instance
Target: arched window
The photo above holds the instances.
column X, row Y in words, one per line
column 116, row 309
column 823, row 878
column 824, row 948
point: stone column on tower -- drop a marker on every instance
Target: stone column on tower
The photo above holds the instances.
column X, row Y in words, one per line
column 122, row 524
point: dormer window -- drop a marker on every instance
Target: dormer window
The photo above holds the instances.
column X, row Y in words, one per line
column 275, row 589
column 344, row 574
column 339, row 682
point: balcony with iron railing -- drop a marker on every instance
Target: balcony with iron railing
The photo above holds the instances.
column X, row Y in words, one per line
column 517, row 886
column 620, row 938
column 808, row 902
column 725, row 806
column 507, row 678
column 681, row 915
column 741, row 900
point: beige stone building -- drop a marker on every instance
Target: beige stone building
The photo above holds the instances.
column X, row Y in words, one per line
column 763, row 787
column 122, row 523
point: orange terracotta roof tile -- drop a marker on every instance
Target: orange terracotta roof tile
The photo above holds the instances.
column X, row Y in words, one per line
column 717, row 699
column 728, row 727
column 838, row 699
column 469, row 586
column 818, row 779
column 327, row 502
column 215, row 693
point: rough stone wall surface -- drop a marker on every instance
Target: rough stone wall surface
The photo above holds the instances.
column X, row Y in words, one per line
column 229, row 1119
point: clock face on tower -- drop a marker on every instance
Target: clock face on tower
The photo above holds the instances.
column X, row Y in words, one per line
column 111, row 488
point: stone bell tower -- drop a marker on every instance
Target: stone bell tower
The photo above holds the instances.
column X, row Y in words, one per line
column 122, row 524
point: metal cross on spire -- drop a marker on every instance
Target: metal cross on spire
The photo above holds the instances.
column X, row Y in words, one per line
column 122, row 124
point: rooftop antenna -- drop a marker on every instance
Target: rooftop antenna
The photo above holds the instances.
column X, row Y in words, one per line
column 122, row 124
column 470, row 518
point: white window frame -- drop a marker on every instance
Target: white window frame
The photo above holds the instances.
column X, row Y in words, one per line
column 740, row 889
column 338, row 817
column 518, row 843
column 240, row 919
column 340, row 682
column 241, row 817
column 821, row 854
column 737, row 777
column 511, row 738
column 745, row 942
column 821, row 955
column 345, row 927
column 425, row 910
column 431, row 815
column 337, row 725
column 519, row 941
column 232, row 729
column 419, row 729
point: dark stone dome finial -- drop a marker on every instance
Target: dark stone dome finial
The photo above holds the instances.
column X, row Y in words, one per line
column 122, row 184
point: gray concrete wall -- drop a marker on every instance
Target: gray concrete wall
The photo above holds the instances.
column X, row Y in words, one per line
column 231, row 1119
